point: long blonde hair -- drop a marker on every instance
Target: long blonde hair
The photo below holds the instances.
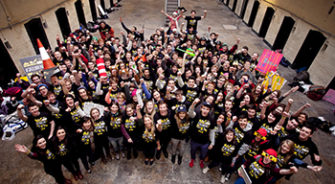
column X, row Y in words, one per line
column 290, row 145
column 146, row 131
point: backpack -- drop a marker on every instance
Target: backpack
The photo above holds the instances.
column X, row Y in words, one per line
column 316, row 92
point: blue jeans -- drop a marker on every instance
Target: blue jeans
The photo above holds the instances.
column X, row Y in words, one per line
column 239, row 180
column 203, row 149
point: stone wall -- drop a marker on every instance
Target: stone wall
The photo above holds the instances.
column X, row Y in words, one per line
column 19, row 39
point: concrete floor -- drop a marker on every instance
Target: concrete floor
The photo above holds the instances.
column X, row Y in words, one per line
column 17, row 168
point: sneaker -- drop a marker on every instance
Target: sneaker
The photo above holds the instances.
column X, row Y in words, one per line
column 92, row 163
column 117, row 156
column 123, row 155
column 223, row 179
column 89, row 171
column 191, row 164
column 202, row 164
column 146, row 162
column 128, row 156
column 151, row 162
column 205, row 170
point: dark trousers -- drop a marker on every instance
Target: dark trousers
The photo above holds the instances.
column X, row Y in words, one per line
column 101, row 144
column 203, row 149
column 55, row 171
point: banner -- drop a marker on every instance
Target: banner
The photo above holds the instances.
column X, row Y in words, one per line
column 268, row 61
column 32, row 65
column 273, row 81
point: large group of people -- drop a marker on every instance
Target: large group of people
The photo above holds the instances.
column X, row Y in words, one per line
column 174, row 88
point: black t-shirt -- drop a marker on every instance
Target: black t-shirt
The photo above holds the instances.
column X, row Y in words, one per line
column 40, row 124
column 304, row 148
column 180, row 132
column 200, row 128
column 114, row 125
column 166, row 125
column 192, row 22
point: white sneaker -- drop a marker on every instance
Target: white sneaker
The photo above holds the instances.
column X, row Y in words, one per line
column 205, row 170
column 223, row 179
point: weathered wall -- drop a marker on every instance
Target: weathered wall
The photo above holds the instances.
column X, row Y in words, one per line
column 18, row 37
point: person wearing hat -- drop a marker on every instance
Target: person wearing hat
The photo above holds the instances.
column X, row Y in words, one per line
column 173, row 20
column 202, row 124
column 180, row 132
column 260, row 168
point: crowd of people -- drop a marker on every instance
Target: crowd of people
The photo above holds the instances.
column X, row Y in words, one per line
column 174, row 88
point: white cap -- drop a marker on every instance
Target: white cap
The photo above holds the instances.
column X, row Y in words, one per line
column 175, row 13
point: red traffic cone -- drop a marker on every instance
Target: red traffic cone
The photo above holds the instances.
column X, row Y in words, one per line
column 47, row 63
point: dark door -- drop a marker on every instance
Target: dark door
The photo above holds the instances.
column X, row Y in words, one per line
column 266, row 22
column 309, row 50
column 93, row 10
column 63, row 22
column 7, row 68
column 234, row 6
column 244, row 7
column 284, row 33
column 35, row 30
column 80, row 12
column 102, row 3
column 253, row 14
column 331, row 85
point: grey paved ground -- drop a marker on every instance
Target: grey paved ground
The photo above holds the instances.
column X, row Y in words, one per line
column 18, row 169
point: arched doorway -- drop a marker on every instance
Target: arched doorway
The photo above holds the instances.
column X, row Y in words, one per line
column 35, row 30
column 284, row 32
column 266, row 21
column 309, row 49
column 63, row 22
column 253, row 14
column 80, row 12
column 234, row 6
column 7, row 69
column 93, row 10
column 244, row 8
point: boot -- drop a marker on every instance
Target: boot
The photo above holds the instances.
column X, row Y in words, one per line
column 166, row 154
column 128, row 155
column 103, row 159
column 180, row 158
column 173, row 159
column 135, row 153
column 158, row 154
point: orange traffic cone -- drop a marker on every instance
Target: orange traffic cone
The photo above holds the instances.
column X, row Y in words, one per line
column 47, row 63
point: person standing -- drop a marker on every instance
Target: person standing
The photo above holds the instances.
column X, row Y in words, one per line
column 192, row 21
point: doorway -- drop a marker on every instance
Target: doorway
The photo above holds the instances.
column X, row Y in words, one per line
column 331, row 85
column 63, row 22
column 7, row 70
column 234, row 6
column 227, row 3
column 80, row 13
column 102, row 3
column 266, row 21
column 35, row 30
column 93, row 10
column 284, row 32
column 309, row 50
column 253, row 14
column 244, row 8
